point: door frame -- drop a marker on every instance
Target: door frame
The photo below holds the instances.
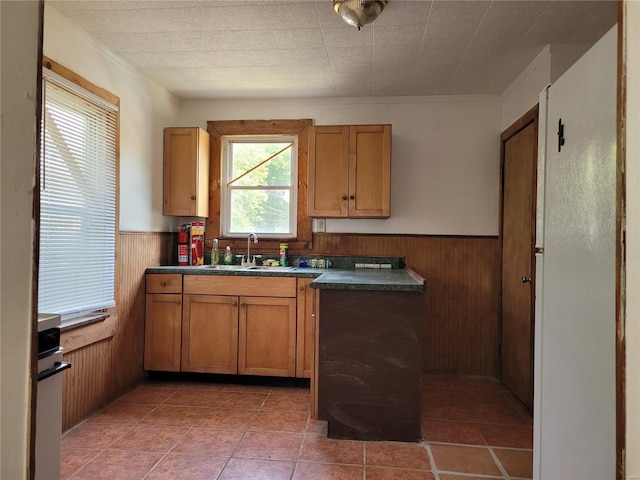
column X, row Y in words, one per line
column 523, row 122
column 621, row 195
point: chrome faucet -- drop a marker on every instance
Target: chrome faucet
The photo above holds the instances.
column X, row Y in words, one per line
column 250, row 262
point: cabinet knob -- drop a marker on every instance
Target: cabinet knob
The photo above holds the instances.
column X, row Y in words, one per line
column 163, row 284
column 193, row 197
column 178, row 302
column 344, row 197
column 526, row 279
column 234, row 304
column 352, row 197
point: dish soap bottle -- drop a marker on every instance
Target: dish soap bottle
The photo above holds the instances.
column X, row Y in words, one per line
column 215, row 255
column 228, row 257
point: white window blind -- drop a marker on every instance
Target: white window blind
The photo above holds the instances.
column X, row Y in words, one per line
column 77, row 200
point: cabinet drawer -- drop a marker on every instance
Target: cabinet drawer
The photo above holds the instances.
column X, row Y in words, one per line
column 240, row 286
column 164, row 283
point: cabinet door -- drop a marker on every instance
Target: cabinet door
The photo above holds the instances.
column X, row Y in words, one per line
column 210, row 334
column 186, row 172
column 267, row 343
column 304, row 344
column 328, row 171
column 369, row 171
column 162, row 332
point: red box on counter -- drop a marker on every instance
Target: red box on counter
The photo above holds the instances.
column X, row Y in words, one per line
column 196, row 243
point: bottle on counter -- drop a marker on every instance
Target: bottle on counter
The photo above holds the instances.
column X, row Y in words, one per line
column 284, row 254
column 215, row 255
column 228, row 256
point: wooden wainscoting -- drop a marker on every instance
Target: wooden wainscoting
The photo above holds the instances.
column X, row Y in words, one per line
column 103, row 369
column 86, row 386
column 462, row 297
column 137, row 252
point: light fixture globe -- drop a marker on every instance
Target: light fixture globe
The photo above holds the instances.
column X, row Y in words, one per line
column 359, row 12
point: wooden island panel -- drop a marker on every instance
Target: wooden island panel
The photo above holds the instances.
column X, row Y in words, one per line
column 370, row 364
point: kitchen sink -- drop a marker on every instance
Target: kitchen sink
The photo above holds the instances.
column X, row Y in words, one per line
column 273, row 269
column 225, row 267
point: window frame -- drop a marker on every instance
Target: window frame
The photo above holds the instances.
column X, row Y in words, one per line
column 72, row 321
column 220, row 128
column 226, row 190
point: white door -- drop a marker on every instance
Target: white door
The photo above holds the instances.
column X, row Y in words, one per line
column 575, row 413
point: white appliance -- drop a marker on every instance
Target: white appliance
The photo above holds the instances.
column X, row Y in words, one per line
column 574, row 404
column 49, row 398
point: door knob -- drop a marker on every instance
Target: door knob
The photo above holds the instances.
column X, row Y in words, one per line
column 526, row 279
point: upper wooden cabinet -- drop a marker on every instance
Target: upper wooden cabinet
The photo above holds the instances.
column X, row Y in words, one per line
column 350, row 171
column 186, row 172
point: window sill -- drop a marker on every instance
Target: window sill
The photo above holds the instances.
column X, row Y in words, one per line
column 87, row 330
column 82, row 321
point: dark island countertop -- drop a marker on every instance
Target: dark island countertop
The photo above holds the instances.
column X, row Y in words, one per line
column 390, row 280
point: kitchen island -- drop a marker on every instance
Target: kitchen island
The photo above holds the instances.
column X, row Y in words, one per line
column 369, row 354
column 366, row 341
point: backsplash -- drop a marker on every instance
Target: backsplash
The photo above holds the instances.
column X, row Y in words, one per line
column 334, row 261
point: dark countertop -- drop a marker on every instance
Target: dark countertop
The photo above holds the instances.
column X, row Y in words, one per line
column 391, row 280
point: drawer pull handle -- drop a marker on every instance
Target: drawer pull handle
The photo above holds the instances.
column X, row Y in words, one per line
column 163, row 284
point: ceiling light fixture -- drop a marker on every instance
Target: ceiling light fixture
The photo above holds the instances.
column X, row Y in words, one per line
column 359, row 12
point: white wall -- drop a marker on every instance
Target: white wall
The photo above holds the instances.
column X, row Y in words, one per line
column 445, row 165
column 545, row 69
column 632, row 28
column 522, row 94
column 146, row 109
column 19, row 58
column 563, row 55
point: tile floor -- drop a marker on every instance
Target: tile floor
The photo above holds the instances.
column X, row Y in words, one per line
column 472, row 427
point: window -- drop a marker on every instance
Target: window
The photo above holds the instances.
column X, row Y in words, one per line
column 259, row 186
column 278, row 128
column 78, row 185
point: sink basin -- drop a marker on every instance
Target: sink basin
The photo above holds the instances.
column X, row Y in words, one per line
column 273, row 269
column 224, row 267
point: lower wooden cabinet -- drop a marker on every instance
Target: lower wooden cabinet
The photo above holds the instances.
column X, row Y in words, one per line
column 305, row 328
column 205, row 328
column 267, row 336
column 210, row 334
column 163, row 322
column 162, row 334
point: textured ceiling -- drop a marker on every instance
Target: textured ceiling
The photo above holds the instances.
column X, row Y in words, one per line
column 302, row 48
